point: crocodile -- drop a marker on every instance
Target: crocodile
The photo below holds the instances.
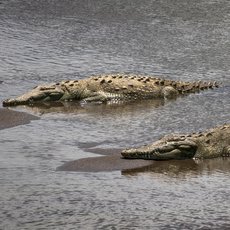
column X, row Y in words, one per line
column 111, row 87
column 211, row 143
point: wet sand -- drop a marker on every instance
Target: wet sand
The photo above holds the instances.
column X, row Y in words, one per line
column 111, row 162
column 10, row 118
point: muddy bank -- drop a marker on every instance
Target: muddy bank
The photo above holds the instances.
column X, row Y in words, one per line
column 10, row 118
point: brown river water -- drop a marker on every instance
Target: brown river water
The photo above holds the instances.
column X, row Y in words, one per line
column 47, row 41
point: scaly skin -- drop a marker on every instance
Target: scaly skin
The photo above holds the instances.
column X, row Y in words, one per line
column 209, row 144
column 109, row 88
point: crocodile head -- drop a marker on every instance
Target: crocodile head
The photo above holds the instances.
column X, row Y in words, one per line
column 174, row 148
column 211, row 143
column 38, row 94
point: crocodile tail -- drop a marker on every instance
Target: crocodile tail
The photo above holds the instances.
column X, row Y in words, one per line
column 189, row 87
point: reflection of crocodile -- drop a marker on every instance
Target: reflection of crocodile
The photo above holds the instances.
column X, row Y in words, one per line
column 111, row 109
column 209, row 144
column 109, row 88
column 180, row 169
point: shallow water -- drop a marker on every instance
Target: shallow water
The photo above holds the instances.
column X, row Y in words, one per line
column 47, row 41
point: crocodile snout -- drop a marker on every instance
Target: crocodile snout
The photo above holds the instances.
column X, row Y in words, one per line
column 11, row 102
column 38, row 94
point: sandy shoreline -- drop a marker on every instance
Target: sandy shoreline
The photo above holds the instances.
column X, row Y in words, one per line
column 10, row 118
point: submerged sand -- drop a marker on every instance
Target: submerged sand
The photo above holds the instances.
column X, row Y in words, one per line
column 111, row 162
column 10, row 118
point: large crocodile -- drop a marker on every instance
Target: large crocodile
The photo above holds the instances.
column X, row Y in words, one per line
column 209, row 144
column 113, row 87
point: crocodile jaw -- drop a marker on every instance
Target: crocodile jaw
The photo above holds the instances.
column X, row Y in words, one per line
column 38, row 94
column 178, row 150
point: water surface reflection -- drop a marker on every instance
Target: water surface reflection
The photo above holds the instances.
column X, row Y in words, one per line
column 97, row 108
column 184, row 168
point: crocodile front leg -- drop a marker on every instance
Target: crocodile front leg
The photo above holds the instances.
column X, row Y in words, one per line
column 95, row 97
column 226, row 151
column 102, row 97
